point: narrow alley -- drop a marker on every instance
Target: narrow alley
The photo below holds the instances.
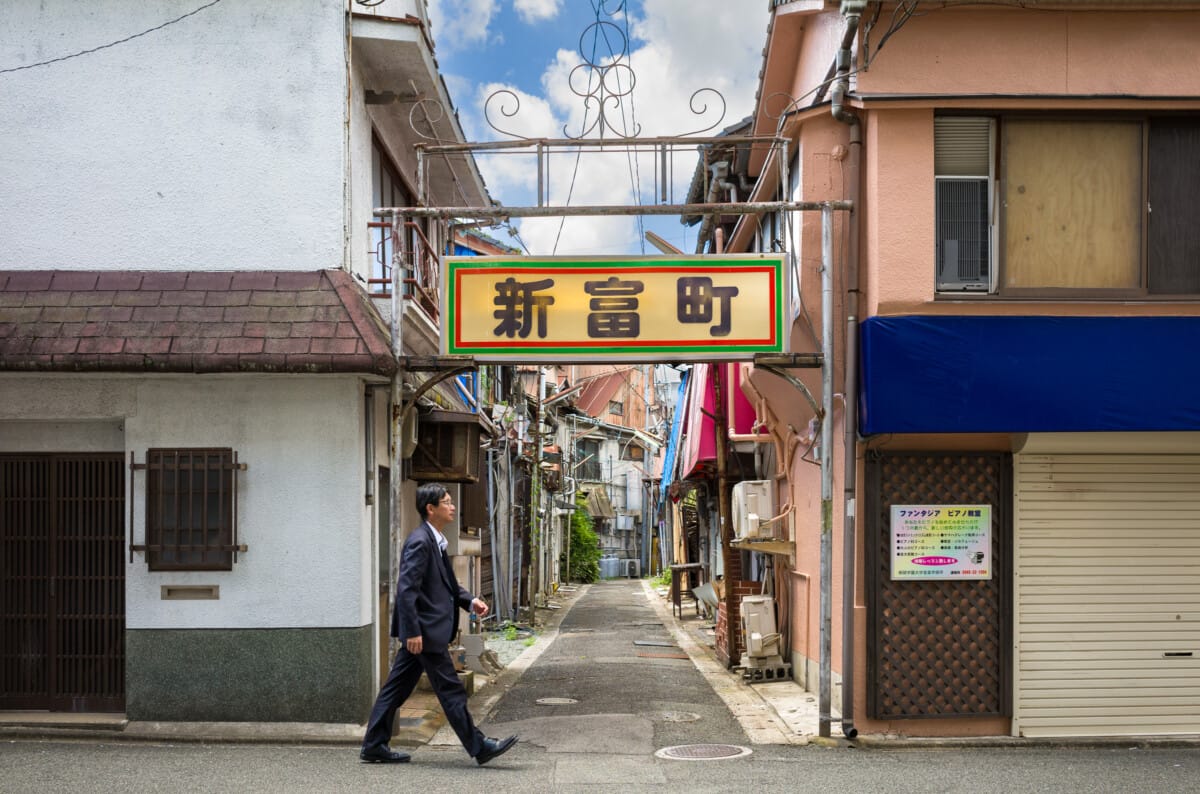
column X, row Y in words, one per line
column 614, row 683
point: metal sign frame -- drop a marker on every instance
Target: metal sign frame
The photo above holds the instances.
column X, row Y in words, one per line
column 679, row 308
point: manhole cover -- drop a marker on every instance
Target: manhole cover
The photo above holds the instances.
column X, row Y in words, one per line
column 675, row 716
column 556, row 701
column 703, row 752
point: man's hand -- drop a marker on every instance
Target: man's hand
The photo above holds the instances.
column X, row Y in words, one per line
column 479, row 607
column 414, row 644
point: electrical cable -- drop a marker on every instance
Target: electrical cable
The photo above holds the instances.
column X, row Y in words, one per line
column 635, row 177
column 111, row 43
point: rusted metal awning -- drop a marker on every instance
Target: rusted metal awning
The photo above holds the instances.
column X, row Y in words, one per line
column 599, row 505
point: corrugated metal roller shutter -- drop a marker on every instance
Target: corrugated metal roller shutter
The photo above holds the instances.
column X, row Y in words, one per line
column 1108, row 594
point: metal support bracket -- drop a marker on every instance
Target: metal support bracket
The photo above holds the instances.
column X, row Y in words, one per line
column 436, row 363
column 792, row 379
column 789, row 360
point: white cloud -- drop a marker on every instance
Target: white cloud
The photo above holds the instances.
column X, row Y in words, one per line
column 458, row 24
column 678, row 47
column 683, row 46
column 532, row 11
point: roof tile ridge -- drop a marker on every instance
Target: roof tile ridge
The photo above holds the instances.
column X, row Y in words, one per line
column 369, row 324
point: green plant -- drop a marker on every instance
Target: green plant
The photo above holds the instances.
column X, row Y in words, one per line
column 663, row 579
column 585, row 545
column 510, row 632
column 530, row 641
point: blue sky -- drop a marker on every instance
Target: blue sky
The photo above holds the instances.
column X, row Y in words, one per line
column 530, row 47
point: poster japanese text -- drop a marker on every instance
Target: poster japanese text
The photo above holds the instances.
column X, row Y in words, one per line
column 941, row 542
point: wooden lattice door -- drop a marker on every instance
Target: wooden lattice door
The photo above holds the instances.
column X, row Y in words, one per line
column 62, row 591
column 938, row 648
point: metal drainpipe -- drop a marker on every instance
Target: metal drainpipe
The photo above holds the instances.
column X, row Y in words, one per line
column 720, row 171
column 826, row 597
column 395, row 459
column 497, row 602
column 852, row 12
column 369, row 432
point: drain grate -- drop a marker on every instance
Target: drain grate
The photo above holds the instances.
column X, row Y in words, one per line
column 703, row 752
column 556, row 701
column 647, row 655
column 674, row 716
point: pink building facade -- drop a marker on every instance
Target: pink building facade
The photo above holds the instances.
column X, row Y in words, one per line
column 1017, row 299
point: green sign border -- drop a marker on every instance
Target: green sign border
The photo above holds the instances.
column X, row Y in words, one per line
column 705, row 352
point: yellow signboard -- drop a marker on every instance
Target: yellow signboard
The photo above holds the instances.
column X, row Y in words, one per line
column 699, row 308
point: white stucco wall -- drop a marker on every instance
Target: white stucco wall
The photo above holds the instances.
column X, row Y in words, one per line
column 67, row 436
column 301, row 509
column 214, row 143
column 361, row 254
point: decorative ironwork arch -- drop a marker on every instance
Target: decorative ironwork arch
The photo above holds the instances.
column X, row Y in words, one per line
column 605, row 81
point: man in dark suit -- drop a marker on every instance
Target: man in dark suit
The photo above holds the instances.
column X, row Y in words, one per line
column 425, row 619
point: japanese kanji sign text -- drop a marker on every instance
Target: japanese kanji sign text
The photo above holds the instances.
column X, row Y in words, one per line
column 503, row 308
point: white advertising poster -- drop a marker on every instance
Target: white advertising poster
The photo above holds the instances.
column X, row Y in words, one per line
column 941, row 542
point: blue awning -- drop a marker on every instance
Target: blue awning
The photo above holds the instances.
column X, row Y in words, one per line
column 668, row 473
column 954, row 374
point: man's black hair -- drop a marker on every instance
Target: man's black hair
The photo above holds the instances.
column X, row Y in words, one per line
column 429, row 493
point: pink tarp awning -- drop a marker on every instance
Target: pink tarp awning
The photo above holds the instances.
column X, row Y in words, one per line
column 698, row 452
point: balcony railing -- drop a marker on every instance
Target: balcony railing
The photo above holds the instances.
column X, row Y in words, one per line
column 422, row 267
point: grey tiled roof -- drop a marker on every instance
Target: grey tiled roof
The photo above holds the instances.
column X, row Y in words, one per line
column 168, row 321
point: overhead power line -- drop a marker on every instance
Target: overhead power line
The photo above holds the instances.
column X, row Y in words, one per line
column 111, row 43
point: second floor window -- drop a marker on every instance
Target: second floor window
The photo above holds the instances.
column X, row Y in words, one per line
column 1068, row 207
column 388, row 189
column 587, row 460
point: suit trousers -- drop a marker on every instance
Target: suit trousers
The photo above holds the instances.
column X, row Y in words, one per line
column 402, row 679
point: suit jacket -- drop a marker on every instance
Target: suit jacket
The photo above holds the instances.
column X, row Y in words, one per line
column 428, row 596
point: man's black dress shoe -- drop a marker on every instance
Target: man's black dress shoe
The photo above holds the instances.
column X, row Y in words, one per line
column 383, row 755
column 493, row 748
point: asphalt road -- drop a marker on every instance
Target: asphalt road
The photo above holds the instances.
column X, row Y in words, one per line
column 632, row 696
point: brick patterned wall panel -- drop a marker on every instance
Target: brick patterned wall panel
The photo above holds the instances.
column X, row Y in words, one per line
column 938, row 648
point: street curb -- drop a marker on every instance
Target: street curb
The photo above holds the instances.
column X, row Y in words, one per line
column 879, row 742
column 198, row 732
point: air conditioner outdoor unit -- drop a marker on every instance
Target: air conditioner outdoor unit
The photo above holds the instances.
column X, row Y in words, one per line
column 762, row 660
column 758, row 627
column 753, row 507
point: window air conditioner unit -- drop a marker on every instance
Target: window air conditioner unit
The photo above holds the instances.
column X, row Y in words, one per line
column 447, row 447
column 962, row 197
column 753, row 507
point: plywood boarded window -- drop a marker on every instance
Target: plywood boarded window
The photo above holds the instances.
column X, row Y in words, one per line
column 1072, row 204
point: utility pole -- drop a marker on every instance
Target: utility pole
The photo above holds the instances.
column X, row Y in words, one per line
column 535, row 499
column 728, row 553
